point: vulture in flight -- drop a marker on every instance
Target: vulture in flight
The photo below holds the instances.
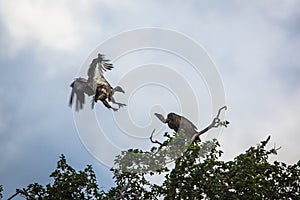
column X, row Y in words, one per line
column 96, row 85
column 177, row 122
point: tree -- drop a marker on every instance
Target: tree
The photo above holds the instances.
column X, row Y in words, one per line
column 197, row 173
column 67, row 184
column 247, row 176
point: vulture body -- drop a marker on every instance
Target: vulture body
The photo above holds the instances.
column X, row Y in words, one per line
column 177, row 122
column 96, row 85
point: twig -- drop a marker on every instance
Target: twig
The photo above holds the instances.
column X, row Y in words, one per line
column 156, row 141
column 264, row 143
column 21, row 192
column 214, row 124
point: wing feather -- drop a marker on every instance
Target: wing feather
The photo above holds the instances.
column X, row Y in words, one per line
column 71, row 98
column 103, row 65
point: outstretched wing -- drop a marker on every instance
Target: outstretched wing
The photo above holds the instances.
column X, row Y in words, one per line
column 103, row 65
column 80, row 87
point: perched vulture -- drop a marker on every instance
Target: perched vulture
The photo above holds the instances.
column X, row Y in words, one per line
column 177, row 123
column 96, row 85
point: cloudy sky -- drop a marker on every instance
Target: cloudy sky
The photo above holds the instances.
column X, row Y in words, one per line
column 255, row 46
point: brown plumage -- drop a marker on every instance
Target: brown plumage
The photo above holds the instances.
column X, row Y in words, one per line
column 99, row 88
column 105, row 93
column 177, row 122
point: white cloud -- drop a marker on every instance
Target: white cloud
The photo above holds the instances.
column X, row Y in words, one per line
column 56, row 25
column 252, row 47
column 274, row 9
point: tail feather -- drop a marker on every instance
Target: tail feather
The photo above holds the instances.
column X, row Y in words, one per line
column 71, row 98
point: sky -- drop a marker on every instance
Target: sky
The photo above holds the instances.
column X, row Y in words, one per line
column 253, row 44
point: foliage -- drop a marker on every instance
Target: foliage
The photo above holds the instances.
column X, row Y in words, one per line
column 156, row 160
column 248, row 176
column 68, row 184
column 197, row 173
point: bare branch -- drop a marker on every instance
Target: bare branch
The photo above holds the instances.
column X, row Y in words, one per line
column 22, row 192
column 263, row 143
column 156, row 141
column 276, row 149
column 216, row 122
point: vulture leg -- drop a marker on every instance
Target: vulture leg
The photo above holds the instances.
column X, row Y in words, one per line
column 112, row 99
column 103, row 97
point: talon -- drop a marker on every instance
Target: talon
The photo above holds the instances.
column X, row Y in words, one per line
column 121, row 105
column 114, row 109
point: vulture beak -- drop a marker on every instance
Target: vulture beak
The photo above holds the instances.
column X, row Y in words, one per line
column 167, row 120
column 121, row 90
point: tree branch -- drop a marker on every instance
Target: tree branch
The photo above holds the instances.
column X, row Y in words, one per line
column 21, row 192
column 216, row 122
column 154, row 141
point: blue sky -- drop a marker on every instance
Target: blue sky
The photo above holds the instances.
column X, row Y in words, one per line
column 255, row 46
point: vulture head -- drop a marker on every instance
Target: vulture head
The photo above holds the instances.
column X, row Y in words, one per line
column 118, row 89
